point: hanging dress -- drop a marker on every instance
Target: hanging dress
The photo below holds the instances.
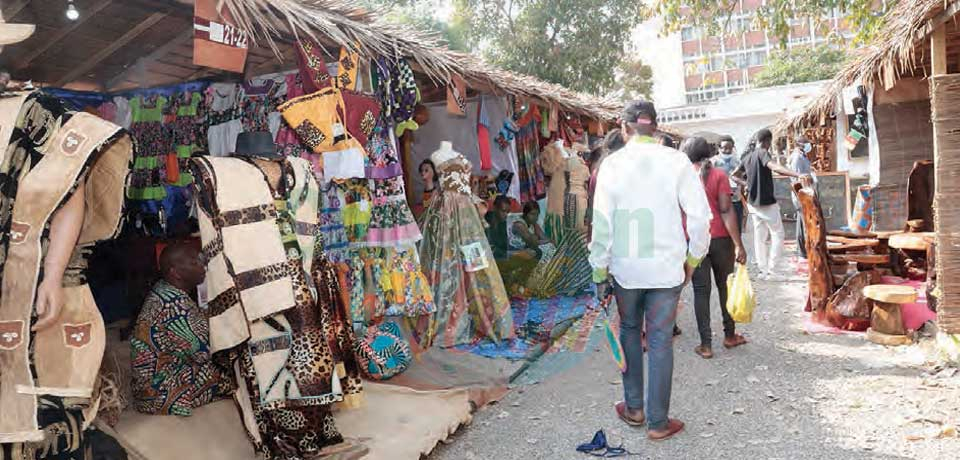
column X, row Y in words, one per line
column 567, row 193
column 470, row 298
column 153, row 144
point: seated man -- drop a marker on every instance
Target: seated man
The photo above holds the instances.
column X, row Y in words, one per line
column 172, row 369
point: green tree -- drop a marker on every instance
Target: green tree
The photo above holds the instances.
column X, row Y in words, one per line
column 579, row 44
column 634, row 80
column 800, row 65
column 865, row 16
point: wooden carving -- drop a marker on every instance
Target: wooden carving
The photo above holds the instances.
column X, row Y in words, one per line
column 848, row 308
column 821, row 278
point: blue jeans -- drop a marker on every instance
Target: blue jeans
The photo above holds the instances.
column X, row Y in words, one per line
column 658, row 309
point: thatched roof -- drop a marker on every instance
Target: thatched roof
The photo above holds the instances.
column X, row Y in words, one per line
column 370, row 34
column 900, row 48
column 123, row 44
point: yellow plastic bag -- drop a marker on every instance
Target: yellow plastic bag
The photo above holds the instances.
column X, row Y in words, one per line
column 740, row 299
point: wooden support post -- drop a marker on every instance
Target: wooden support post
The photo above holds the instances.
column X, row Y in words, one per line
column 128, row 37
column 938, row 50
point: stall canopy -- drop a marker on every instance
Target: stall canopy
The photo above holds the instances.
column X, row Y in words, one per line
column 900, row 49
column 118, row 45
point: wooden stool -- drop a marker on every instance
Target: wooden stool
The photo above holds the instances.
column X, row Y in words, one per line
column 886, row 317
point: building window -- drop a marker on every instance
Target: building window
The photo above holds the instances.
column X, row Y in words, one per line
column 689, row 33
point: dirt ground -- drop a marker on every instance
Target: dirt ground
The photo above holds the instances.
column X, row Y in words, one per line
column 786, row 395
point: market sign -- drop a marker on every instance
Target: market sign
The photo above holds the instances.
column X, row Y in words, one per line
column 217, row 41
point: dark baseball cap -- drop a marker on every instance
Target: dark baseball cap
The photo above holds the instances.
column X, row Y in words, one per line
column 639, row 109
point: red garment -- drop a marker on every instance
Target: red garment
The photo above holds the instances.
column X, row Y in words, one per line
column 716, row 185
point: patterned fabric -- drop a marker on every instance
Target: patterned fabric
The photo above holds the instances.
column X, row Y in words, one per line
column 356, row 210
column 47, row 140
column 64, row 439
column 335, row 241
column 299, row 361
column 153, row 144
column 397, row 90
column 471, row 301
column 383, row 353
column 172, row 370
column 531, row 172
column 391, row 221
column 564, row 269
column 383, row 162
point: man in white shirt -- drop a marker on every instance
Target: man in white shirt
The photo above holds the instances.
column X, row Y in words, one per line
column 643, row 192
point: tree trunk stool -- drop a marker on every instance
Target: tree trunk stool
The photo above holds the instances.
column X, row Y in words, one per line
column 886, row 317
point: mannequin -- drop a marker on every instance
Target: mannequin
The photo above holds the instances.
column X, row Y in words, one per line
column 468, row 291
column 66, row 172
column 444, row 153
column 280, row 295
column 567, row 192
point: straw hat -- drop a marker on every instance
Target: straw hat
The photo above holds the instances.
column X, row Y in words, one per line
column 14, row 33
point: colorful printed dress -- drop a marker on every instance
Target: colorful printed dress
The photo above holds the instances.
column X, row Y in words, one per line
column 153, row 144
column 471, row 301
column 172, row 370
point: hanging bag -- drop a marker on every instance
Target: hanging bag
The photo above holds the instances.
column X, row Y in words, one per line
column 740, row 300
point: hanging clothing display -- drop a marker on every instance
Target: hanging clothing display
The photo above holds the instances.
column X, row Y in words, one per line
column 391, row 221
column 318, row 122
column 153, row 145
column 471, row 301
column 398, row 92
column 464, row 134
column 290, row 338
column 48, row 375
column 188, row 139
column 567, row 194
column 223, row 118
column 530, row 171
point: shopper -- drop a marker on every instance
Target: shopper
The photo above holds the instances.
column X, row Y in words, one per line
column 728, row 160
column 799, row 162
column 768, row 236
column 725, row 248
column 640, row 251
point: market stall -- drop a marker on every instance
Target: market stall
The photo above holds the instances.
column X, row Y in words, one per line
column 336, row 92
column 892, row 111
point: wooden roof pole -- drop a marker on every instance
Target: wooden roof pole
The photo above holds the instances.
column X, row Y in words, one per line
column 938, row 50
column 9, row 13
column 88, row 13
column 154, row 55
column 96, row 59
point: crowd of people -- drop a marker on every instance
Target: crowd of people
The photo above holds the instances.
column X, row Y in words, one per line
column 659, row 217
column 663, row 218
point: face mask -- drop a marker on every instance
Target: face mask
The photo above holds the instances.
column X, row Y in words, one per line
column 807, row 147
column 726, row 155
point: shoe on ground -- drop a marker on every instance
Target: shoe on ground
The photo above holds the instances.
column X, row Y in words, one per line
column 674, row 426
column 629, row 416
column 704, row 351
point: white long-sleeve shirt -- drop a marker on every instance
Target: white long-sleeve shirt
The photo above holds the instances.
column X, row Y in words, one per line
column 642, row 193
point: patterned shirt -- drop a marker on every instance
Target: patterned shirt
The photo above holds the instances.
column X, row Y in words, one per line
column 172, row 369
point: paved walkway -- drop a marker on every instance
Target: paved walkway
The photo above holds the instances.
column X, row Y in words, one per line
column 786, row 395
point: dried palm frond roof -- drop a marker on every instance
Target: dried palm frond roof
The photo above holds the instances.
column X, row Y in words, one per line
column 896, row 50
column 369, row 34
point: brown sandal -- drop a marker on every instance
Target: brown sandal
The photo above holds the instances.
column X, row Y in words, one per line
column 621, row 408
column 704, row 352
column 734, row 342
column 674, row 426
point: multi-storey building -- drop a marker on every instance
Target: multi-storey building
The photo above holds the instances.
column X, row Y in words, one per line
column 725, row 63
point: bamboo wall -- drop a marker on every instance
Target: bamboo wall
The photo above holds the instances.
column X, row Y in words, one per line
column 945, row 111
